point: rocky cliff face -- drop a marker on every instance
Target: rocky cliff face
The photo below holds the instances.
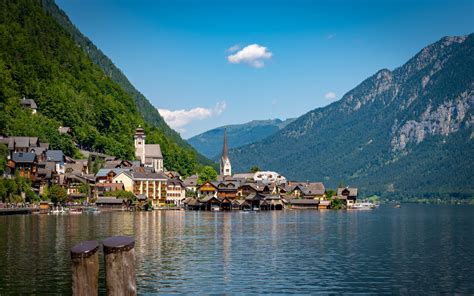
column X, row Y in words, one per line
column 390, row 125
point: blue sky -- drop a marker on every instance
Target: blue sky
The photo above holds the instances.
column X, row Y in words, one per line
column 302, row 54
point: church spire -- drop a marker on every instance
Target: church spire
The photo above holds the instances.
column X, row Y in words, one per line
column 225, row 150
column 226, row 168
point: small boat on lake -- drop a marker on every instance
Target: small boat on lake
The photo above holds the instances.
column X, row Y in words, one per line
column 363, row 206
column 91, row 210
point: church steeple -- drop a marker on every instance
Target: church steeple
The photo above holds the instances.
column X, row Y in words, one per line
column 225, row 166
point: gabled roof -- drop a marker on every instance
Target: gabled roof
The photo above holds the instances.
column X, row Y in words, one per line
column 144, row 174
column 257, row 196
column 208, row 198
column 208, row 183
column 23, row 157
column 191, row 181
column 313, row 188
column 175, row 181
column 153, row 151
column 22, row 142
column 352, row 191
column 28, row 103
column 55, row 155
column 105, row 172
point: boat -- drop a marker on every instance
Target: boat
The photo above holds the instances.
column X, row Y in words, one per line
column 397, row 206
column 363, row 206
column 91, row 210
column 75, row 211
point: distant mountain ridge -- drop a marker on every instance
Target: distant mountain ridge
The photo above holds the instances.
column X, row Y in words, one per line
column 406, row 132
column 210, row 143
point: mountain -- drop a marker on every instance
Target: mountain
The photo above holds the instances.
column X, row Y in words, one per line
column 210, row 143
column 401, row 133
column 144, row 107
column 40, row 60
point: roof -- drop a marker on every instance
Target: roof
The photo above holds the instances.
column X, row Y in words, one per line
column 254, row 197
column 22, row 142
column 143, row 174
column 153, row 151
column 313, row 188
column 38, row 150
column 352, row 191
column 208, row 198
column 71, row 168
column 111, row 164
column 23, row 157
column 105, row 172
column 306, row 201
column 28, row 102
column 190, row 181
column 175, row 182
column 55, row 155
column 193, row 202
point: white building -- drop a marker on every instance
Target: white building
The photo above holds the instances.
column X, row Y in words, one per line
column 268, row 177
column 148, row 154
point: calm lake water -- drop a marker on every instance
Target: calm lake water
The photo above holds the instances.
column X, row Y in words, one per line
column 417, row 249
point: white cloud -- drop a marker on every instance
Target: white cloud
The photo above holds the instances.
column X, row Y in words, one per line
column 178, row 119
column 253, row 54
column 234, row 48
column 330, row 95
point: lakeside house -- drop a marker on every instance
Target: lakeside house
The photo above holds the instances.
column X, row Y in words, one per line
column 151, row 183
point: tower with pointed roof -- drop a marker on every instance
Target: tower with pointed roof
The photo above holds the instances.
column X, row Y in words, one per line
column 139, row 138
column 226, row 168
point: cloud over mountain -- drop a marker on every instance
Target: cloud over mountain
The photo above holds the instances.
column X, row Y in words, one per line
column 178, row 119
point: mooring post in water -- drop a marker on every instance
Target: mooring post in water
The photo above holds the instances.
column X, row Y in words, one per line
column 119, row 257
column 85, row 268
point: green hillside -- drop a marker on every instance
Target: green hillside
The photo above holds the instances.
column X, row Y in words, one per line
column 41, row 61
column 401, row 133
column 210, row 143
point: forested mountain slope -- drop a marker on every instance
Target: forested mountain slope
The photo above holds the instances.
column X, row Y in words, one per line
column 39, row 60
column 407, row 132
column 149, row 113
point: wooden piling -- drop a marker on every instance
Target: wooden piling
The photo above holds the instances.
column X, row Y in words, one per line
column 119, row 257
column 85, row 268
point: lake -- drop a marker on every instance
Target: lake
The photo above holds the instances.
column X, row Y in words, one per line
column 417, row 249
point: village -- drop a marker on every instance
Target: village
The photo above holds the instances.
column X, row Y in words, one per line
column 145, row 184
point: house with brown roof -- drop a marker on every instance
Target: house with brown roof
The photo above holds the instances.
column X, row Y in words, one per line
column 227, row 189
column 207, row 189
column 348, row 194
column 307, row 190
column 23, row 163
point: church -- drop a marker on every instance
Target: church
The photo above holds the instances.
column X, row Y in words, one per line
column 149, row 155
column 225, row 166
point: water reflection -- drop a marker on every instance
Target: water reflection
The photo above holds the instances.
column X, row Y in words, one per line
column 413, row 250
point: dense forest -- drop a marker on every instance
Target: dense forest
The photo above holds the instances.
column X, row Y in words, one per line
column 39, row 60
column 402, row 134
